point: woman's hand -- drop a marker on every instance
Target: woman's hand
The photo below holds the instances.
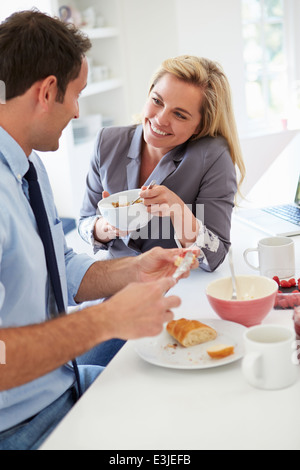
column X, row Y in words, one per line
column 105, row 232
column 163, row 202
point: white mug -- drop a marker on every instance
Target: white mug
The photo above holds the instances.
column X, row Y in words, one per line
column 269, row 362
column 276, row 257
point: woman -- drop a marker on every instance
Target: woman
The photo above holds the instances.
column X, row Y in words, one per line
column 187, row 142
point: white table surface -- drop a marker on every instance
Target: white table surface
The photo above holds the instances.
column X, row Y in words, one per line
column 134, row 405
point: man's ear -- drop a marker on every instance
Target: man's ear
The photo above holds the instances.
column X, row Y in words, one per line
column 47, row 92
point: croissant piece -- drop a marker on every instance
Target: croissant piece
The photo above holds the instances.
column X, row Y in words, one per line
column 190, row 332
column 220, row 351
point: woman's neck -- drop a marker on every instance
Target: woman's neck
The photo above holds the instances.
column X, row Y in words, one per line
column 152, row 153
column 150, row 158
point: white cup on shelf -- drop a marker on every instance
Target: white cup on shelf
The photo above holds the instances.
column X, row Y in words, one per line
column 89, row 17
column 100, row 73
column 100, row 22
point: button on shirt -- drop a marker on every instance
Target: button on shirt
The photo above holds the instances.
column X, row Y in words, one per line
column 25, row 297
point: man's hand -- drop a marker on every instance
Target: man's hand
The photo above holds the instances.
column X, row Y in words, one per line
column 158, row 263
column 106, row 278
column 139, row 310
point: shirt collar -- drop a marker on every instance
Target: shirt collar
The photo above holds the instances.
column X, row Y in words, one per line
column 13, row 154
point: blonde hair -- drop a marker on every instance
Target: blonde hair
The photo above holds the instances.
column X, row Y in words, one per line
column 217, row 110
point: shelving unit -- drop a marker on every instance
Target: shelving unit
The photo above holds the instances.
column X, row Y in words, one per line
column 104, row 97
column 102, row 87
column 101, row 33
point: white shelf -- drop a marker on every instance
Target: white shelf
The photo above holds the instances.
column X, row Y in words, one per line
column 105, row 98
column 101, row 87
column 101, row 33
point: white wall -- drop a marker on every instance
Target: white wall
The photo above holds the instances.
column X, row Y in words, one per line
column 7, row 8
column 156, row 30
column 149, row 36
column 214, row 30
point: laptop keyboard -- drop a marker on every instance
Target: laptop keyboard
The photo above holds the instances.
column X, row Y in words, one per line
column 287, row 212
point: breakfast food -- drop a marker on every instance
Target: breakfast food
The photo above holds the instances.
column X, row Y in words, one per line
column 178, row 261
column 220, row 351
column 180, row 258
column 117, row 204
column 288, row 295
column 190, row 332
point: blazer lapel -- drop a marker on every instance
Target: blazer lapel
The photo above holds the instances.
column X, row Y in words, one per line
column 161, row 171
column 133, row 172
column 167, row 165
column 134, row 159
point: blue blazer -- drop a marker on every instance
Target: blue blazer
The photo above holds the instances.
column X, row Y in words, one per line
column 201, row 173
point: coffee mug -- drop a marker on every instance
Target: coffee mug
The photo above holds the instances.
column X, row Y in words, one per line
column 269, row 361
column 276, row 257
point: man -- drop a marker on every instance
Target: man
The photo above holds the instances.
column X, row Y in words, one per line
column 43, row 66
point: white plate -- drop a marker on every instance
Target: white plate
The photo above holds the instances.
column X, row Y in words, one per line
column 165, row 351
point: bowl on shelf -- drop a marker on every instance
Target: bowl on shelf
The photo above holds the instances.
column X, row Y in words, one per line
column 119, row 212
column 256, row 298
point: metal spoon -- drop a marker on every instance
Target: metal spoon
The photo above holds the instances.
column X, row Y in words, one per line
column 234, row 291
column 148, row 187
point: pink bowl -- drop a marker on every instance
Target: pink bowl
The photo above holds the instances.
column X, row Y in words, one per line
column 256, row 298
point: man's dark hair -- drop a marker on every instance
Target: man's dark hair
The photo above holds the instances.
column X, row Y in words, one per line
column 33, row 46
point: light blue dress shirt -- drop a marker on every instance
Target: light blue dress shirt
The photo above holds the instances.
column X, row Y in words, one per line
column 24, row 285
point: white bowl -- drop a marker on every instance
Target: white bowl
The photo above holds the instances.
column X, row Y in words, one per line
column 125, row 218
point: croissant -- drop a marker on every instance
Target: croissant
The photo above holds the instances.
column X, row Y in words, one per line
column 190, row 332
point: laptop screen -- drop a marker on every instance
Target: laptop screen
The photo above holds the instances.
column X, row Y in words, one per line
column 297, row 198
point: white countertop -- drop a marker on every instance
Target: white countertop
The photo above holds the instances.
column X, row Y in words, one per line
column 134, row 405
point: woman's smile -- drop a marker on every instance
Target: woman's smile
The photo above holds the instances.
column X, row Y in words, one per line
column 157, row 131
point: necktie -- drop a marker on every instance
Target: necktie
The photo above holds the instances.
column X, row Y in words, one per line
column 38, row 207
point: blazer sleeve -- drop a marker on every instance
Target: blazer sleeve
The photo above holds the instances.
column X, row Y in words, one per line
column 89, row 213
column 215, row 199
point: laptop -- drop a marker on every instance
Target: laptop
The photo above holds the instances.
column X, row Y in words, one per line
column 279, row 220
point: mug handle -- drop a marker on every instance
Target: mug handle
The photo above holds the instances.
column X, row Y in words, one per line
column 251, row 367
column 246, row 252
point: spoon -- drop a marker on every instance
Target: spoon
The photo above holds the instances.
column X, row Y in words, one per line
column 148, row 187
column 234, row 292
